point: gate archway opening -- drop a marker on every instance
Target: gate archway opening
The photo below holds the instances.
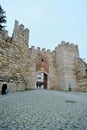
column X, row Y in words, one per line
column 42, row 70
column 42, row 80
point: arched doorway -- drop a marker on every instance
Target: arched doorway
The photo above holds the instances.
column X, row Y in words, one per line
column 42, row 80
column 42, row 70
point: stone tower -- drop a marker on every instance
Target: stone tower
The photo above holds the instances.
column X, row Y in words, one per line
column 66, row 54
column 14, row 55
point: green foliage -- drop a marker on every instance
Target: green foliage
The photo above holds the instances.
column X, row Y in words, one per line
column 2, row 18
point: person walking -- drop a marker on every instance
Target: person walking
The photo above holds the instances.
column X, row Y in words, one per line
column 37, row 84
column 4, row 88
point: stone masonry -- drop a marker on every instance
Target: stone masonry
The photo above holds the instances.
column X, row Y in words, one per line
column 19, row 64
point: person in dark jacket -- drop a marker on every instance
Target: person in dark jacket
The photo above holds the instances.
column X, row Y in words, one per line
column 37, row 84
column 4, row 88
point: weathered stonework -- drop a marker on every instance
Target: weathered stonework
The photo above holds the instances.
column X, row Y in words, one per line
column 19, row 64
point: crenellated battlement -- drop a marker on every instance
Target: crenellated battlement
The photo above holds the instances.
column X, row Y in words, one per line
column 63, row 44
column 20, row 34
column 38, row 49
column 68, row 45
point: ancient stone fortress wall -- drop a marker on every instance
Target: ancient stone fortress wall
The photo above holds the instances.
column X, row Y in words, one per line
column 68, row 64
column 19, row 64
column 81, row 74
column 13, row 57
column 43, row 60
column 65, row 58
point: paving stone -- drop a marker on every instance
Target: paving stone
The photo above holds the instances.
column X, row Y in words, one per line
column 43, row 110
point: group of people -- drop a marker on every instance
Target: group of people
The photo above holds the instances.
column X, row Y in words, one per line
column 38, row 84
column 4, row 89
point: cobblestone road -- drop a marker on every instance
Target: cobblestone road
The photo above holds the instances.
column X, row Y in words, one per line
column 43, row 110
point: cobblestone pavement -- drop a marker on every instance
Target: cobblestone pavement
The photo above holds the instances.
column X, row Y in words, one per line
column 43, row 110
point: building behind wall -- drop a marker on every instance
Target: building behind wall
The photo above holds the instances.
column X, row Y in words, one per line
column 20, row 64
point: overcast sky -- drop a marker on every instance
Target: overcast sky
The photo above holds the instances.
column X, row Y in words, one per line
column 50, row 21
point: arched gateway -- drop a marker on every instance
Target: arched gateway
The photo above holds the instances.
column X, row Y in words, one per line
column 42, row 70
column 42, row 78
column 42, row 63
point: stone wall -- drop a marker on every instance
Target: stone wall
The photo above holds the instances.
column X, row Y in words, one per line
column 65, row 59
column 47, row 66
column 81, row 74
column 19, row 64
column 14, row 54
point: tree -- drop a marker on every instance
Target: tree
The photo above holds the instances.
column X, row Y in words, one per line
column 2, row 18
